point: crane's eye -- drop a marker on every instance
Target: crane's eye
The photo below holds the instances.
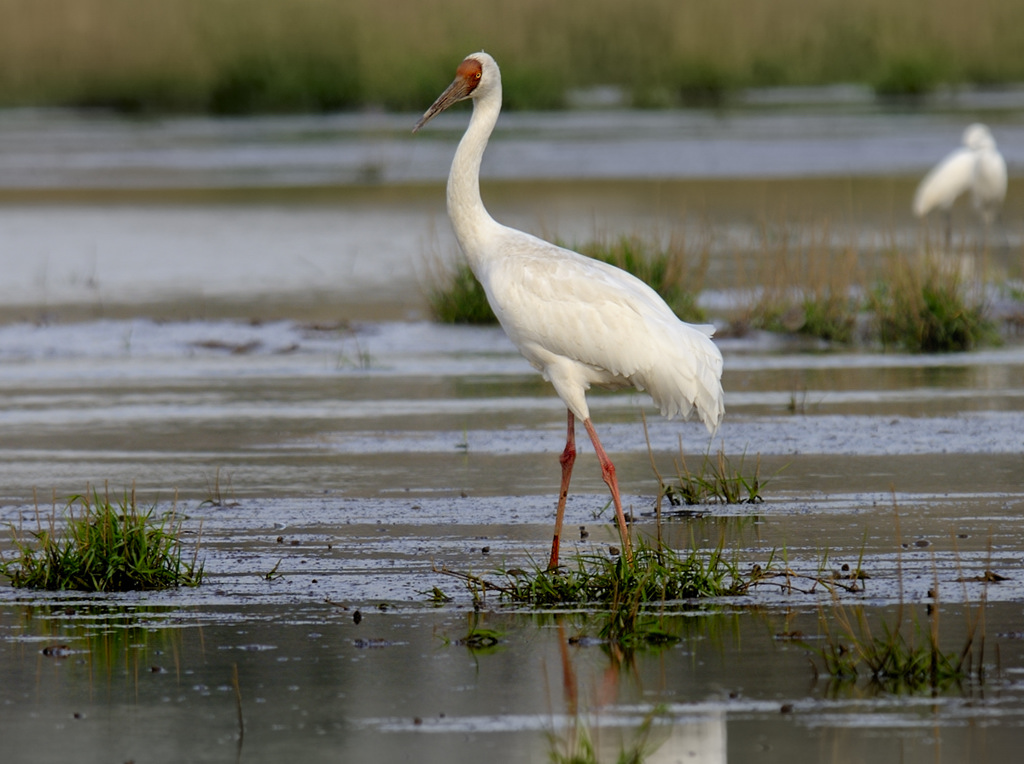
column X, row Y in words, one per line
column 477, row 75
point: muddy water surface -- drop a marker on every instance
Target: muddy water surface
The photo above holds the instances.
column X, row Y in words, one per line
column 332, row 470
column 256, row 357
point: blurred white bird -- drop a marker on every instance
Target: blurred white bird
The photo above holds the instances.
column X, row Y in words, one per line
column 578, row 321
column 976, row 166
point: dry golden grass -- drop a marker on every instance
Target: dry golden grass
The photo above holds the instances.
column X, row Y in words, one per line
column 177, row 52
column 805, row 281
column 931, row 302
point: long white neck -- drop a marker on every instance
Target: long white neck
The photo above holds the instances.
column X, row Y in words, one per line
column 469, row 217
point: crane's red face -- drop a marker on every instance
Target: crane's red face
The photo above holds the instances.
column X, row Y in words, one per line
column 467, row 77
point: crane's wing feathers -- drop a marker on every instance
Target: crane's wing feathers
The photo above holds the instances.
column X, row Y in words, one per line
column 556, row 304
column 945, row 182
column 988, row 186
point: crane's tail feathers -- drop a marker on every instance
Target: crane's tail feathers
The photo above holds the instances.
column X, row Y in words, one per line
column 692, row 381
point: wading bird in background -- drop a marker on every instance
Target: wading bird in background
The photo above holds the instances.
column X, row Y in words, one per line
column 578, row 321
column 976, row 166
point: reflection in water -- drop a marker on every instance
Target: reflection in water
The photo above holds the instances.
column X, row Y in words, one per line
column 99, row 645
column 592, row 708
column 309, row 681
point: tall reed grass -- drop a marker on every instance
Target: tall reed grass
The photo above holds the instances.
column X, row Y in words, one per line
column 805, row 283
column 927, row 304
column 294, row 55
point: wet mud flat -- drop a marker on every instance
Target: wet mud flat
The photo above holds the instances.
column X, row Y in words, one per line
column 330, row 472
column 340, row 649
column 226, row 316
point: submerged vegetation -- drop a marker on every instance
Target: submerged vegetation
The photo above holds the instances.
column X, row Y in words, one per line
column 103, row 546
column 244, row 56
column 906, row 656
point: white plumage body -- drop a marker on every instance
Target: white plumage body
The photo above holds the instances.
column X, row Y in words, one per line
column 578, row 321
column 977, row 167
column 581, row 322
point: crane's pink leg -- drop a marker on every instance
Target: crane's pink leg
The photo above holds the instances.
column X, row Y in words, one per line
column 608, row 473
column 567, row 459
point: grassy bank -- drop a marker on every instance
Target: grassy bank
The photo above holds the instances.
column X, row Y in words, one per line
column 240, row 56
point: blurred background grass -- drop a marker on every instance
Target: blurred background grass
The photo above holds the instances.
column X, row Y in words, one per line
column 251, row 56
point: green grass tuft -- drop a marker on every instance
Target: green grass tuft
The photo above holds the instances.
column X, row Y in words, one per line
column 893, row 661
column 703, row 83
column 578, row 745
column 458, row 298
column 627, row 592
column 654, row 576
column 805, row 284
column 926, row 307
column 808, row 284
column 909, row 76
column 832, row 317
column 716, row 482
column 103, row 547
column 299, row 83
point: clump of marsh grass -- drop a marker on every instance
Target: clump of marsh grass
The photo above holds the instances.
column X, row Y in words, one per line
column 456, row 297
column 905, row 656
column 627, row 591
column 630, row 595
column 717, row 481
column 655, row 575
column 286, row 81
column 805, row 285
column 910, row 76
column 925, row 305
column 215, row 497
column 578, row 745
column 103, row 546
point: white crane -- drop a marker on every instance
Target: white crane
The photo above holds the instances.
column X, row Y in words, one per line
column 578, row 321
column 978, row 167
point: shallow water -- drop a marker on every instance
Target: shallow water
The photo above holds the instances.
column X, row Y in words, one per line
column 342, row 216
column 255, row 355
column 286, row 409
column 313, row 685
column 352, row 462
